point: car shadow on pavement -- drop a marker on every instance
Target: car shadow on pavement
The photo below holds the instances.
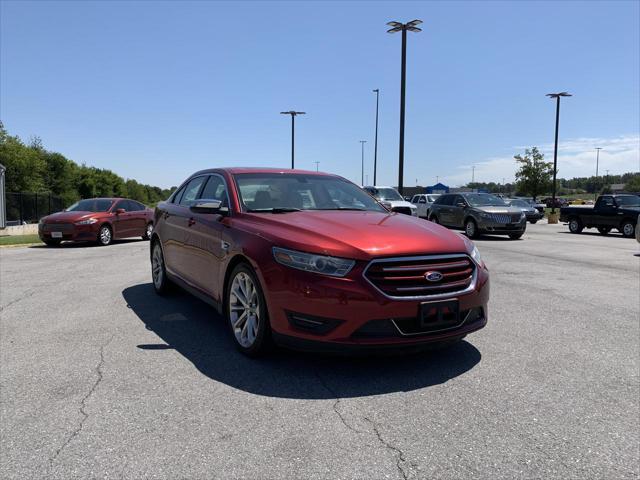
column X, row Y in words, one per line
column 88, row 244
column 597, row 234
column 195, row 330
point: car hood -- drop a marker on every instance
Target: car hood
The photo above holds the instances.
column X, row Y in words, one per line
column 398, row 203
column 70, row 217
column 499, row 209
column 352, row 234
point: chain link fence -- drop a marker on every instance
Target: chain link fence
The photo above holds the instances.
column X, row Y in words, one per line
column 28, row 207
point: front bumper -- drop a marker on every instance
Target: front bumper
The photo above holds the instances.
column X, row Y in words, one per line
column 490, row 226
column 75, row 233
column 355, row 309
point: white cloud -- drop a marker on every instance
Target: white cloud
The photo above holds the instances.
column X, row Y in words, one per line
column 576, row 158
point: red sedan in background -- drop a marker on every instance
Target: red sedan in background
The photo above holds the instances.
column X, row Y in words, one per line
column 97, row 220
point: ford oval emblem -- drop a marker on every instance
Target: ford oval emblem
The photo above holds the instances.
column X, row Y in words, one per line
column 433, row 276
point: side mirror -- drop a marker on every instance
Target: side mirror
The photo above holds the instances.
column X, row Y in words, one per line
column 209, row 206
column 120, row 210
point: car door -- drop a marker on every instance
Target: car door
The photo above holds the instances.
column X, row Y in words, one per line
column 422, row 206
column 123, row 222
column 458, row 208
column 175, row 226
column 207, row 240
column 138, row 218
column 444, row 210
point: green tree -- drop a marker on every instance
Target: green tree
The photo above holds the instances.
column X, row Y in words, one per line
column 534, row 174
column 633, row 185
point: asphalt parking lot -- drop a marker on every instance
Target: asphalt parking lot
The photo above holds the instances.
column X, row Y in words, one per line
column 100, row 378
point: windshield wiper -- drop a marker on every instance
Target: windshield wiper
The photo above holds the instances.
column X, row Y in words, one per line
column 273, row 210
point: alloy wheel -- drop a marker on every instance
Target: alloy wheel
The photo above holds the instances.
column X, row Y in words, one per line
column 149, row 230
column 244, row 309
column 470, row 229
column 157, row 267
column 105, row 235
column 627, row 229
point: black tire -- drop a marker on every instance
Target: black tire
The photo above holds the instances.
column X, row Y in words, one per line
column 575, row 225
column 105, row 235
column 161, row 283
column 533, row 222
column 262, row 342
column 434, row 219
column 148, row 231
column 628, row 228
column 604, row 230
column 471, row 228
column 52, row 243
column 516, row 236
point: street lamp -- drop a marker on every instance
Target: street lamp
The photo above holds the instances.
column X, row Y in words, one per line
column 411, row 26
column 317, row 162
column 555, row 149
column 375, row 148
column 293, row 114
column 362, row 142
column 595, row 195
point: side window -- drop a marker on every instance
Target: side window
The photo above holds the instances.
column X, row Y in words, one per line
column 458, row 199
column 135, row 206
column 214, row 189
column 422, row 199
column 445, row 200
column 124, row 204
column 191, row 191
column 608, row 201
column 177, row 195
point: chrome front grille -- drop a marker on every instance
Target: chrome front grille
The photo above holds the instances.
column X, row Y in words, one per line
column 406, row 277
column 505, row 218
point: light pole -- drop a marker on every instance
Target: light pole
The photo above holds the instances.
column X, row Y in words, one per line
column 362, row 142
column 317, row 163
column 411, row 26
column 375, row 145
column 293, row 114
column 555, row 148
column 595, row 194
column 473, row 174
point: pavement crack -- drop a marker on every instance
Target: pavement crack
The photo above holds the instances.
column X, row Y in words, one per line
column 399, row 454
column 27, row 294
column 336, row 403
column 83, row 403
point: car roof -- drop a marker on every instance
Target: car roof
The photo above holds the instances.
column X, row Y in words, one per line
column 239, row 170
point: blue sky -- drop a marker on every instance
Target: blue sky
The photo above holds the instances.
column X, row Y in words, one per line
column 157, row 90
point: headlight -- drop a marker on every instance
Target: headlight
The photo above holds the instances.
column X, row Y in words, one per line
column 335, row 267
column 88, row 221
column 485, row 215
column 522, row 215
column 475, row 254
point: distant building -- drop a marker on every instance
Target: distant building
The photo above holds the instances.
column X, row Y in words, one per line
column 617, row 187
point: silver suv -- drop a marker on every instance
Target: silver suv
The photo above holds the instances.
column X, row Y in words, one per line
column 478, row 213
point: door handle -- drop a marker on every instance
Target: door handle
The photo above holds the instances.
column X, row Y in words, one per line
column 191, row 221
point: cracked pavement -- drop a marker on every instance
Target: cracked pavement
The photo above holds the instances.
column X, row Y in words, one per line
column 99, row 378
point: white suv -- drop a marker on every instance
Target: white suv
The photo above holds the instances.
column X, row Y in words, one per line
column 390, row 198
column 423, row 201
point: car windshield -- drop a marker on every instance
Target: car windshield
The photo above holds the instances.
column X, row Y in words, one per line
column 630, row 201
column 484, row 200
column 91, row 205
column 282, row 192
column 386, row 194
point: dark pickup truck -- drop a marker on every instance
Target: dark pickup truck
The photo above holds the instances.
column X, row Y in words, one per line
column 610, row 211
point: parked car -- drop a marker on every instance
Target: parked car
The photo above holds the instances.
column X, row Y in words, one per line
column 423, row 203
column 98, row 220
column 532, row 214
column 391, row 199
column 478, row 213
column 310, row 260
column 609, row 212
column 538, row 205
column 560, row 202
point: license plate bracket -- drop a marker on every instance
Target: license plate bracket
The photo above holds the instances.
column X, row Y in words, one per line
column 439, row 315
column 56, row 234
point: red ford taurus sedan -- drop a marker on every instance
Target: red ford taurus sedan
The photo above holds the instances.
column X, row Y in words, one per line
column 97, row 220
column 309, row 260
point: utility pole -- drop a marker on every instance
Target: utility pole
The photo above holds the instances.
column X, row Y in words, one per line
column 595, row 195
column 293, row 114
column 317, row 163
column 473, row 174
column 362, row 142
